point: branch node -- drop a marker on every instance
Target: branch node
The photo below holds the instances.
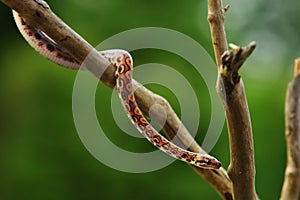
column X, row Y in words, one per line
column 233, row 59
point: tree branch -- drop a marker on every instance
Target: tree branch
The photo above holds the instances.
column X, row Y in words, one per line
column 231, row 90
column 37, row 13
column 291, row 186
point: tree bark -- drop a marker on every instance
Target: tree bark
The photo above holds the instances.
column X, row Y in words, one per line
column 291, row 186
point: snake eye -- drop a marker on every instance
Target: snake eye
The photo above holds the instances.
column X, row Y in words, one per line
column 207, row 161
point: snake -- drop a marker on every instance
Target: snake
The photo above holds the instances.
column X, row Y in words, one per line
column 123, row 63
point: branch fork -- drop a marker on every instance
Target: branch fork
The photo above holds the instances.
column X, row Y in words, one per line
column 233, row 59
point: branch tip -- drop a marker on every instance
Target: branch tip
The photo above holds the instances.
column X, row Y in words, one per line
column 234, row 46
column 297, row 67
column 226, row 8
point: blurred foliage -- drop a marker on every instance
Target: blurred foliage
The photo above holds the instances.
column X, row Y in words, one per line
column 41, row 154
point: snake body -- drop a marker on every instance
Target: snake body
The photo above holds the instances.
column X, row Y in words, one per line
column 124, row 66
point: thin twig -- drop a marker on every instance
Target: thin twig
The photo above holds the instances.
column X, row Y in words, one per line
column 291, row 186
column 231, row 90
column 38, row 14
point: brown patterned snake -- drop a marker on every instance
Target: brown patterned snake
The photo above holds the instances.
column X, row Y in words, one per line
column 123, row 63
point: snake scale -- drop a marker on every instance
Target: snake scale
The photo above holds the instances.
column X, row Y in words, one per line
column 124, row 66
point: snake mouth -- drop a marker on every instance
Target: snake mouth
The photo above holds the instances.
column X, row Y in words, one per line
column 218, row 165
column 209, row 164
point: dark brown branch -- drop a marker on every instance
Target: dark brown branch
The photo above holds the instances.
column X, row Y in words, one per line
column 291, row 186
column 38, row 14
column 231, row 90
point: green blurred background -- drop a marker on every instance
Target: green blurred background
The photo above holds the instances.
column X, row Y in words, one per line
column 41, row 154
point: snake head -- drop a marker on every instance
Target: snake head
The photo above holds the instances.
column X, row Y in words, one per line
column 208, row 162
